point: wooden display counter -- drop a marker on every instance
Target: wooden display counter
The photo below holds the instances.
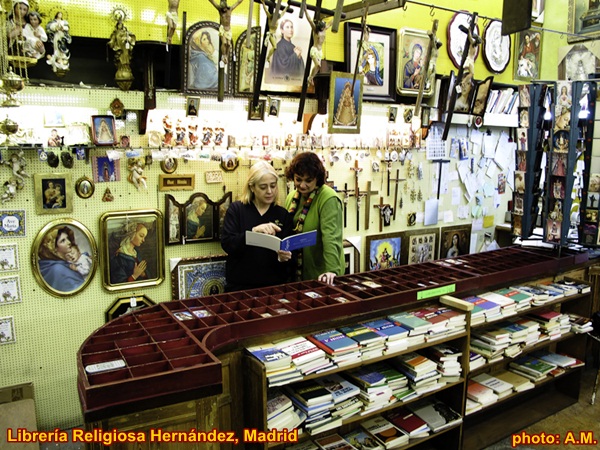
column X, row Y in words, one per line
column 188, row 374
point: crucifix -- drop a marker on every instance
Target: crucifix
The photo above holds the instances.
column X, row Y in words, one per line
column 434, row 45
column 357, row 193
column 461, row 71
column 397, row 180
column 345, row 200
column 364, row 37
column 385, row 210
column 367, row 194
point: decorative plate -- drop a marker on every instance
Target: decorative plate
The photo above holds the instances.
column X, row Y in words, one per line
column 457, row 38
column 496, row 48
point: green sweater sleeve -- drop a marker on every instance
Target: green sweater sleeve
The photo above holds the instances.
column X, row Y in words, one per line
column 332, row 235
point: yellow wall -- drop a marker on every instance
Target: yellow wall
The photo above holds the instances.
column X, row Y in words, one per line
column 49, row 330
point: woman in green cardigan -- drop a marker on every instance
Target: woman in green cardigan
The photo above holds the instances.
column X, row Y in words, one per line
column 316, row 206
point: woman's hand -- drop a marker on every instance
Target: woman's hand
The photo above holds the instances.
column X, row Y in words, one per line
column 327, row 277
column 139, row 269
column 283, row 256
column 267, row 228
column 200, row 232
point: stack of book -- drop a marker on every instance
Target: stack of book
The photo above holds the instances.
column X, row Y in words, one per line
column 444, row 321
column 508, row 306
column 490, row 343
column 566, row 289
column 563, row 361
column 374, row 390
column 421, row 371
column 340, row 349
column 371, row 343
column 417, row 327
column 363, row 440
column 522, row 299
column 582, row 287
column 580, row 324
column 538, row 296
column 437, row 414
column 502, row 101
column 409, row 422
column 472, row 406
column 518, row 382
column 446, row 357
column 552, row 323
column 385, row 432
column 535, row 369
column 396, row 336
column 278, row 365
column 475, row 360
column 315, row 402
column 306, row 356
column 553, row 293
column 394, row 379
column 334, row 441
column 491, row 310
column 518, row 334
column 500, row 387
column 280, row 411
column 533, row 330
column 480, row 393
column 340, row 388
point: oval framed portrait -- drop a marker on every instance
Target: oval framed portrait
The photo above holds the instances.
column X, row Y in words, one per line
column 84, row 187
column 169, row 164
column 496, row 48
column 64, row 257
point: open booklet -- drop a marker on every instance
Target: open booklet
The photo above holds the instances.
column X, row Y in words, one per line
column 290, row 243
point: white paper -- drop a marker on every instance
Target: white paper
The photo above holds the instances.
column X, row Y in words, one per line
column 489, row 145
column 419, row 217
column 456, row 195
column 463, row 211
column 477, row 224
column 448, row 216
column 431, row 212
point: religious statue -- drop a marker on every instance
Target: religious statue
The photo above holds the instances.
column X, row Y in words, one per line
column 58, row 33
column 122, row 43
column 225, row 28
column 273, row 21
column 345, row 113
column 316, row 52
column 172, row 20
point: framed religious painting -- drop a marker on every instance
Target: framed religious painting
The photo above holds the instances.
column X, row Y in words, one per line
column 9, row 262
column 64, row 257
column 383, row 251
column 247, row 53
column 374, row 57
column 419, row 246
column 496, row 48
column 457, row 38
column 84, row 187
column 528, row 52
column 53, row 193
column 412, row 55
column 173, row 221
column 132, row 252
column 578, row 61
column 103, row 130
column 345, row 103
column 584, row 16
column 455, row 241
column 351, row 258
column 197, row 277
column 201, row 59
column 288, row 43
column 482, row 93
column 105, row 169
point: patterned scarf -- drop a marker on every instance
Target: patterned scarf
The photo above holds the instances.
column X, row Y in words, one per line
column 300, row 224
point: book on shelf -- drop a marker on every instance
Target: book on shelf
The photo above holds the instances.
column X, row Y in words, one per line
column 415, row 325
column 472, row 406
column 480, row 393
column 518, row 382
column 271, row 356
column 340, row 388
column 300, row 349
column 362, row 334
column 555, row 358
column 507, row 305
column 500, row 387
column 324, row 425
column 272, row 242
column 363, row 440
column 580, row 324
column 385, row 432
column 409, row 422
column 553, row 293
column 567, row 289
column 385, row 327
column 522, row 299
column 333, row 342
column 347, row 408
column 532, row 365
column 580, row 286
column 491, row 309
column 415, row 363
column 437, row 414
column 475, row 360
column 277, row 403
column 334, row 441
column 309, row 393
column 537, row 295
column 367, row 378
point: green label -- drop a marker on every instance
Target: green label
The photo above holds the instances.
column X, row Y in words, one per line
column 436, row 292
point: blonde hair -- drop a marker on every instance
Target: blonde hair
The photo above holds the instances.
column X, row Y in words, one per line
column 257, row 171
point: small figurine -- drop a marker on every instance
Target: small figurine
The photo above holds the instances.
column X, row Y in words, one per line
column 58, row 33
column 136, row 173
column 316, row 52
column 225, row 28
column 172, row 20
column 17, row 163
column 107, row 197
column 122, row 43
column 273, row 20
column 10, row 190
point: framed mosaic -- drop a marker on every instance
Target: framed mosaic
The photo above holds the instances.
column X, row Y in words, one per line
column 345, row 103
column 455, row 241
column 383, row 251
column 247, row 53
column 12, row 223
column 376, row 60
column 412, row 54
column 64, row 257
column 132, row 250
column 419, row 246
column 7, row 330
column 53, row 193
column 10, row 290
column 127, row 305
column 198, row 277
column 9, row 261
column 584, row 16
column 105, row 169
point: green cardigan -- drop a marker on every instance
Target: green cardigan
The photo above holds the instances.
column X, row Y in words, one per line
column 325, row 216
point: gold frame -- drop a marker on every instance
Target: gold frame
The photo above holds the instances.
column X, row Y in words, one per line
column 41, row 271
column 169, row 168
column 183, row 182
column 79, row 187
column 152, row 250
column 336, row 88
column 40, row 181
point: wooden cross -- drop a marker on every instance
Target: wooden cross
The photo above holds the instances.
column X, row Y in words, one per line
column 367, row 195
column 347, row 195
column 433, row 46
column 363, row 31
column 397, row 180
column 381, row 206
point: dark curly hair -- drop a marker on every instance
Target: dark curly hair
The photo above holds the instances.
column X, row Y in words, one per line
column 306, row 164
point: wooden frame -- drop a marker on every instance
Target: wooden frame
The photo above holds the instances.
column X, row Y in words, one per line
column 202, row 219
column 247, row 59
column 192, row 106
column 53, row 193
column 173, row 221
column 419, row 245
column 198, row 277
column 581, row 21
column 496, row 48
column 84, row 187
column 105, row 170
column 288, row 82
column 446, row 241
column 126, row 233
column 527, row 58
column 54, row 259
column 257, row 112
column 345, row 105
column 12, row 223
column 274, row 106
column 179, row 182
column 169, row 164
column 379, row 84
column 9, row 261
column 576, row 62
column 103, row 130
column 351, row 258
column 383, row 251
column 201, row 59
column 409, row 42
column 126, row 305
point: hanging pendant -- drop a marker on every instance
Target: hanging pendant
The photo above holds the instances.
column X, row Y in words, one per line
column 413, row 194
column 400, row 203
column 420, row 195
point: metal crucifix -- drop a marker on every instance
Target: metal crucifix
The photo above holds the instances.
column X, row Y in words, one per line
column 397, row 180
column 345, row 200
column 385, row 211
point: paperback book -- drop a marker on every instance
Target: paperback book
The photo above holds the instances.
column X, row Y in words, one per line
column 271, row 242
